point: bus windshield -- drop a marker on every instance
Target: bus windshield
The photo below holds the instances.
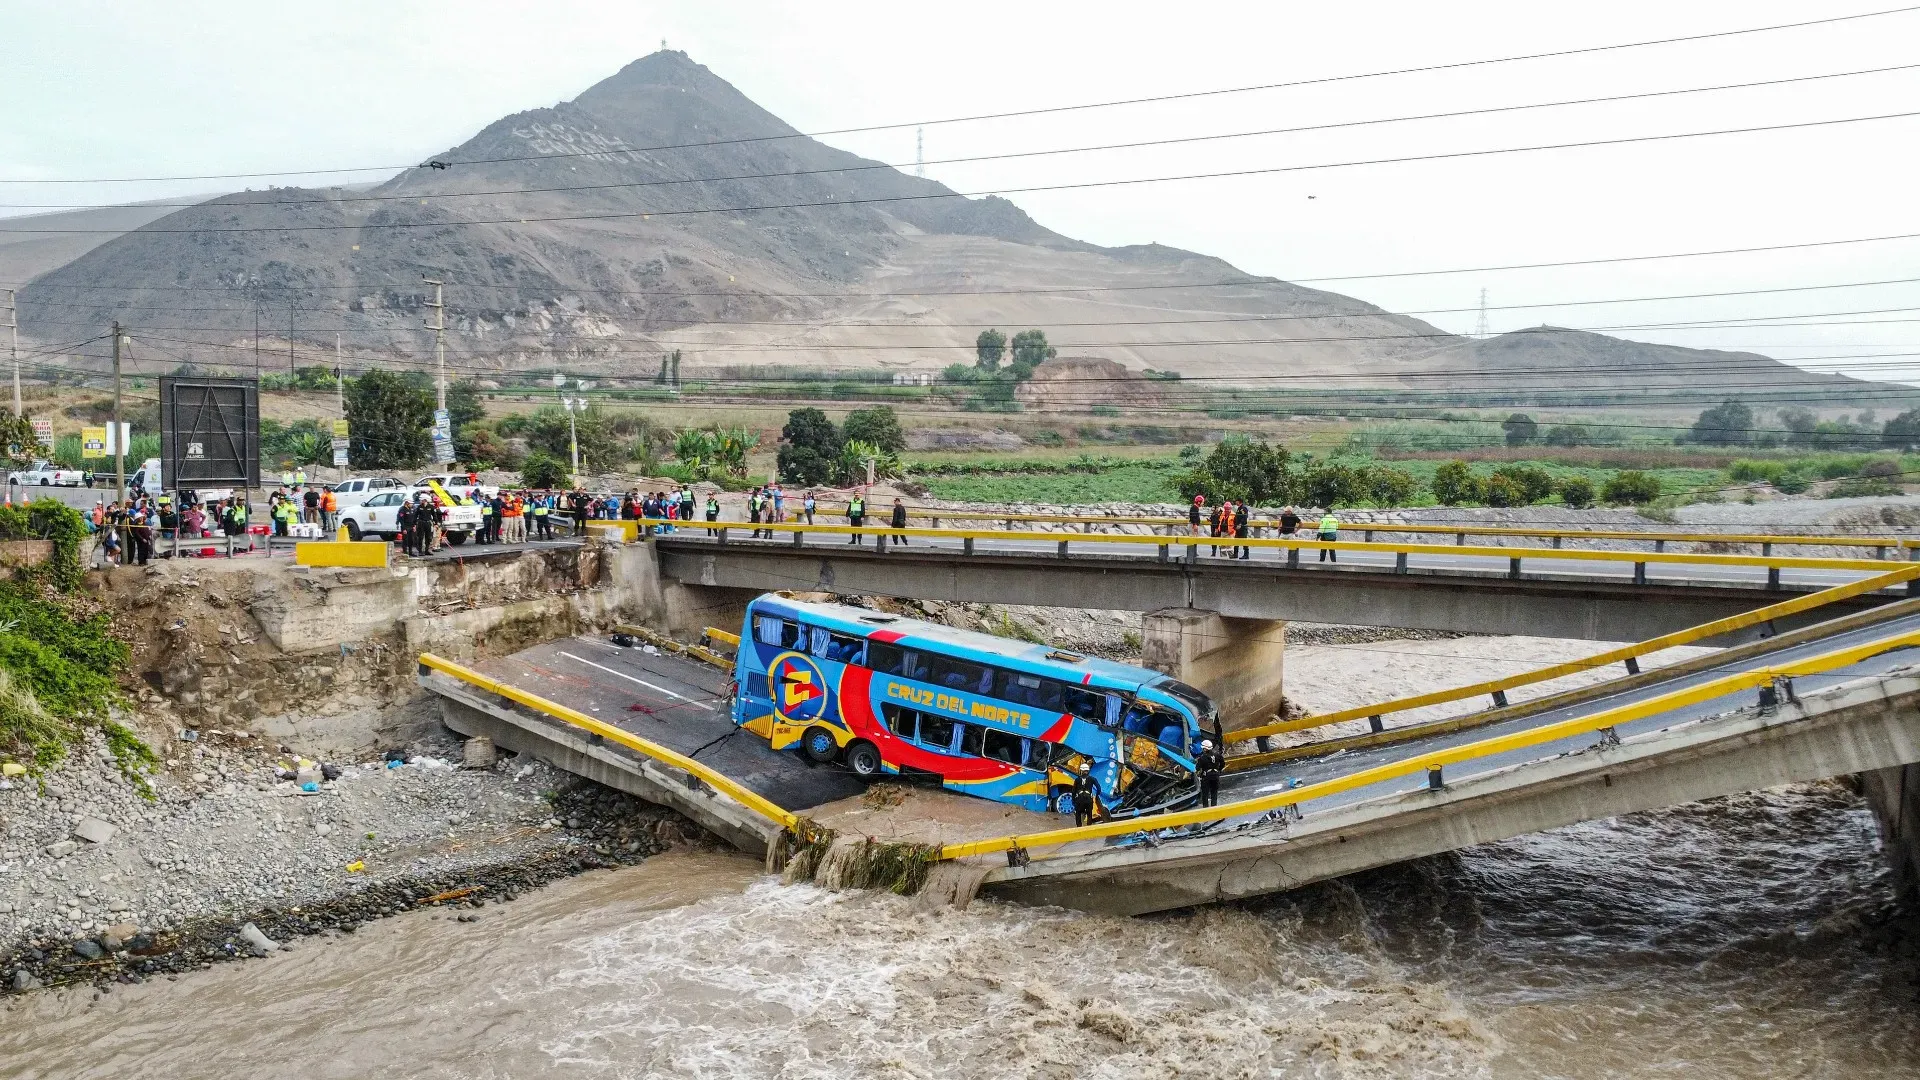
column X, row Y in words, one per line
column 992, row 717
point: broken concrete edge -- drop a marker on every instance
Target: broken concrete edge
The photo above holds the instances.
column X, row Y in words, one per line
column 545, row 739
column 1777, row 747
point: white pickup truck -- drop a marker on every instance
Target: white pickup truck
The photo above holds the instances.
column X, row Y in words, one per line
column 47, row 474
column 379, row 516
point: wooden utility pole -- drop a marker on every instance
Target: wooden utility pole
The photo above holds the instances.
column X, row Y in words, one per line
column 119, row 440
column 291, row 308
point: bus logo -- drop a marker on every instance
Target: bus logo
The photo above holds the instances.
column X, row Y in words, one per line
column 797, row 687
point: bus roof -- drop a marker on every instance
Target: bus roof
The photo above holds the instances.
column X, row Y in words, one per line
column 1031, row 657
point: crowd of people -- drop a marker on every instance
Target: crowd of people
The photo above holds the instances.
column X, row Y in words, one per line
column 132, row 532
column 1229, row 521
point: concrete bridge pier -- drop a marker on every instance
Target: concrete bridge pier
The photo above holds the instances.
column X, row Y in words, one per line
column 1894, row 795
column 1237, row 662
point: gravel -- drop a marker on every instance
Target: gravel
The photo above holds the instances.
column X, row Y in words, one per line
column 224, row 842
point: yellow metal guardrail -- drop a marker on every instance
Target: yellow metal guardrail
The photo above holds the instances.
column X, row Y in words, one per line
column 1677, row 537
column 1692, row 634
column 1440, row 758
column 714, row 633
column 341, row 553
column 1513, row 554
column 718, row 781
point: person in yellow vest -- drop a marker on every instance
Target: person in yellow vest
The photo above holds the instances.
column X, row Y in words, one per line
column 1329, row 532
column 856, row 515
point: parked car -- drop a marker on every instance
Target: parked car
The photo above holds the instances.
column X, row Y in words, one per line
column 463, row 519
column 378, row 517
column 47, row 474
column 358, row 489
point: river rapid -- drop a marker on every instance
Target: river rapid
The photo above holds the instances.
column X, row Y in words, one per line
column 1748, row 938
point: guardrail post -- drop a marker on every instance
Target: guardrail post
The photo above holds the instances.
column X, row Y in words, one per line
column 1193, row 554
column 1513, row 568
column 1367, row 535
column 1434, row 783
column 1880, row 552
column 1499, row 699
column 1659, row 545
column 1913, row 587
column 879, row 543
column 720, row 537
column 1460, row 539
column 1399, row 562
column 1293, row 558
column 1557, row 540
column 1913, row 553
column 1773, row 577
column 1766, row 549
column 966, row 546
column 1063, row 549
column 1163, row 552
column 1639, row 573
column 936, row 523
column 1373, row 722
column 1633, row 665
column 799, row 538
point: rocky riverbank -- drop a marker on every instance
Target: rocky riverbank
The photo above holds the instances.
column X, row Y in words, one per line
column 100, row 884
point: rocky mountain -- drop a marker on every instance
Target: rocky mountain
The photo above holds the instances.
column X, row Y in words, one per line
column 661, row 209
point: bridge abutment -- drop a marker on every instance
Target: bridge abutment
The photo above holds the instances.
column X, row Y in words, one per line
column 1238, row 662
column 1894, row 795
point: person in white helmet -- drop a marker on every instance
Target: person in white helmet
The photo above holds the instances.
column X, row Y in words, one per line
column 1083, row 796
column 1210, row 764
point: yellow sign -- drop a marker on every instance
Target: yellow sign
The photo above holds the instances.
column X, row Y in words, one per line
column 339, row 429
column 93, row 442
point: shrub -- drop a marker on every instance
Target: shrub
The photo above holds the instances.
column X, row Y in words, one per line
column 542, row 470
column 1630, row 487
column 1533, row 483
column 1389, row 486
column 1502, row 490
column 1577, row 492
column 1454, row 484
column 1331, row 484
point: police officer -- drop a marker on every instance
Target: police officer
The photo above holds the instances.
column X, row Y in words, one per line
column 1211, row 763
column 1083, row 795
column 1240, row 529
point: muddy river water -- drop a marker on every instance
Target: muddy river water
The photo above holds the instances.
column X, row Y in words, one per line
column 1747, row 938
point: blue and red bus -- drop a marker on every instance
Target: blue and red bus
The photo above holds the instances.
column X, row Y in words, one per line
column 987, row 716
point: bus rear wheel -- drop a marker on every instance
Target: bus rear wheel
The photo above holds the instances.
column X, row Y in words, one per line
column 863, row 759
column 1062, row 800
column 820, row 745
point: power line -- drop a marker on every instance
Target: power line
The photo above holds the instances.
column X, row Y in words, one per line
column 1483, row 308
column 1232, row 283
column 1078, row 186
column 1052, row 110
column 226, row 202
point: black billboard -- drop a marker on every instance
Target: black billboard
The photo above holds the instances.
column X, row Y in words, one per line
column 209, row 432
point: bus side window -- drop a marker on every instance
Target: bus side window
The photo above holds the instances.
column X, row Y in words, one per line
column 961, row 675
column 886, row 659
column 1040, row 753
column 904, row 722
column 1083, row 703
column 1003, row 746
column 1030, row 690
column 791, row 634
column 766, row 630
column 936, row 732
column 971, row 740
column 846, row 649
column 817, row 641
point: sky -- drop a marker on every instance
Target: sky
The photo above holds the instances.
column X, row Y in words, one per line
column 94, row 90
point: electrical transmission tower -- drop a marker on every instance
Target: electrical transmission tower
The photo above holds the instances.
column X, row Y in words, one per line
column 919, row 151
column 1480, row 328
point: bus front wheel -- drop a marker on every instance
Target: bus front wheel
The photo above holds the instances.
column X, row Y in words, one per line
column 864, row 760
column 1062, row 800
column 820, row 745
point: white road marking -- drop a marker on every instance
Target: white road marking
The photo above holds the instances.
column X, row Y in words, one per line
column 642, row 682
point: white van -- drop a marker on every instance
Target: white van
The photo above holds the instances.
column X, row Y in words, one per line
column 147, row 477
